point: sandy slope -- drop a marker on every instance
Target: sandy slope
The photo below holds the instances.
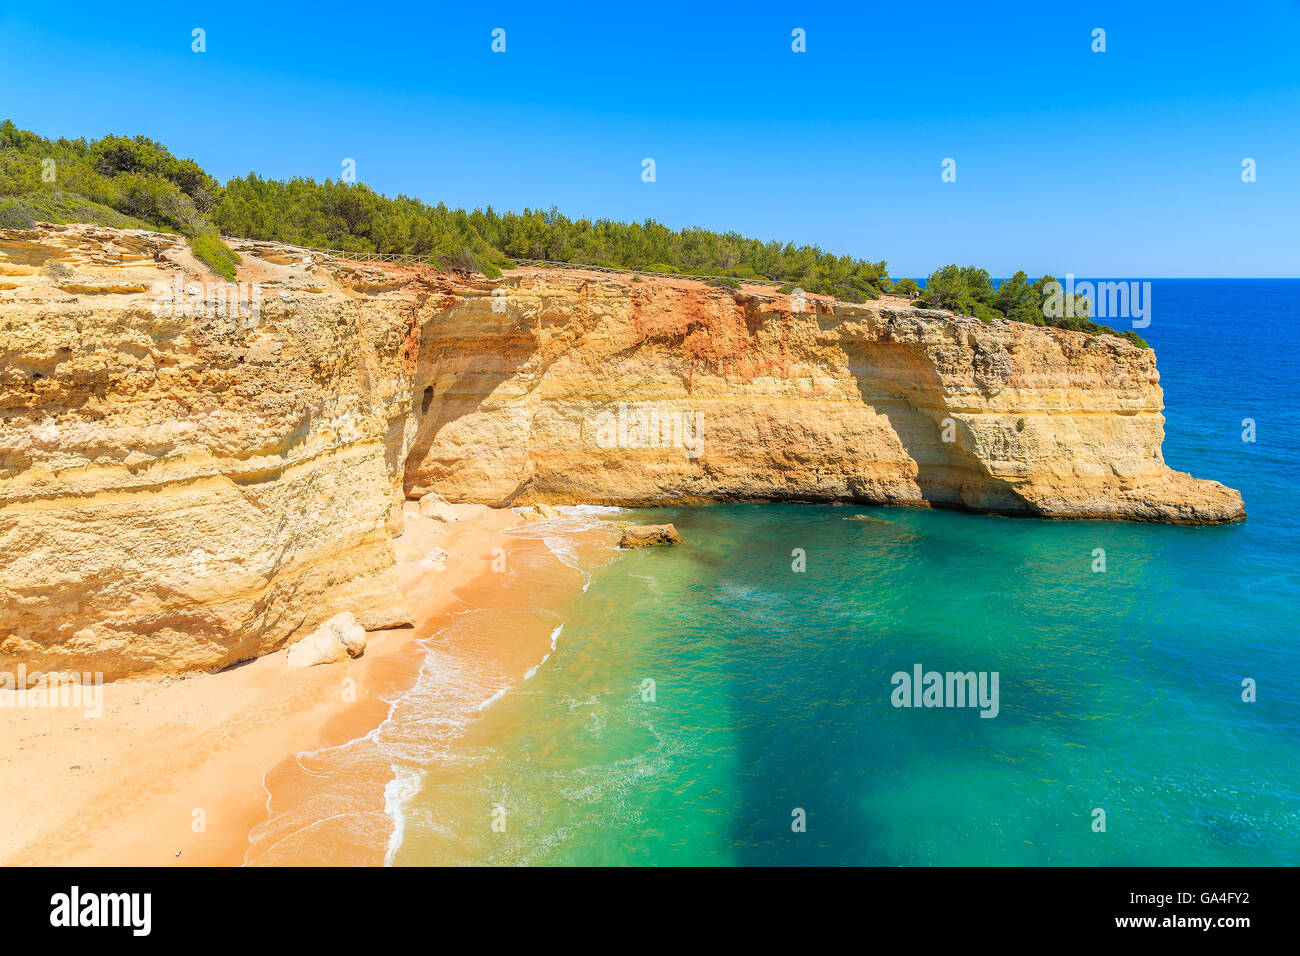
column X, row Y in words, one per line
column 124, row 788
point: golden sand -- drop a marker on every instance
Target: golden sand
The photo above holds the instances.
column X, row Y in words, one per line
column 181, row 771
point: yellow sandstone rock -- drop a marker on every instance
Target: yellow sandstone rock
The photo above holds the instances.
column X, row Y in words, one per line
column 433, row 506
column 336, row 640
column 649, row 536
column 193, row 474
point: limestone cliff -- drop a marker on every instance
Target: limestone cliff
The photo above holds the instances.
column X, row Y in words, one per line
column 185, row 483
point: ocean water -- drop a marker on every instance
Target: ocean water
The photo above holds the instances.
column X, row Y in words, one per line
column 1119, row 691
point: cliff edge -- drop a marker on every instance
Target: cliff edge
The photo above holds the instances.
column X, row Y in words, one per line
column 191, row 476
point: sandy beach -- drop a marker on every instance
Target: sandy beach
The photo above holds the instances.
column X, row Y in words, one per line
column 179, row 771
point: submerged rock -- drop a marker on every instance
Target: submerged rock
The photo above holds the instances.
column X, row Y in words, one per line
column 648, row 536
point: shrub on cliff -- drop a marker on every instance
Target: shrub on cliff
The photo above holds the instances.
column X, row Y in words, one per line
column 970, row 291
column 219, row 257
column 55, row 205
column 75, row 181
column 142, row 156
column 119, row 181
column 15, row 216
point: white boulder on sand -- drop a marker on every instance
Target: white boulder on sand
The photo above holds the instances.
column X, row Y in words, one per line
column 336, row 640
column 433, row 506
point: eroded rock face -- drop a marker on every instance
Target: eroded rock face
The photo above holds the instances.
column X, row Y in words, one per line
column 185, row 491
column 605, row 391
column 181, row 489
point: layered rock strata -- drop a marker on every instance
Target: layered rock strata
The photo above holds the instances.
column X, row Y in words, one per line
column 187, row 482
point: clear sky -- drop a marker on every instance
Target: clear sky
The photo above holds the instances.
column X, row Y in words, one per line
column 1124, row 163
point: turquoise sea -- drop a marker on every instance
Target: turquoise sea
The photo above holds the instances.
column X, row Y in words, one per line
column 1119, row 691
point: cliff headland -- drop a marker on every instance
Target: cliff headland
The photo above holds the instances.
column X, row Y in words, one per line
column 194, row 473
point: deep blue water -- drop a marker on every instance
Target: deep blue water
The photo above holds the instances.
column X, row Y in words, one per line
column 1119, row 691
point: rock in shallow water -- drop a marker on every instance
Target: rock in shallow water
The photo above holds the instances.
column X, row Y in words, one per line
column 648, row 536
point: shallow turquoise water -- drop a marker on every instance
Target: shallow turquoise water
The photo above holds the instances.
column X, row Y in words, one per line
column 1118, row 690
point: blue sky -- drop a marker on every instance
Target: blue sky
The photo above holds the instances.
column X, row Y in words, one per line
column 1123, row 163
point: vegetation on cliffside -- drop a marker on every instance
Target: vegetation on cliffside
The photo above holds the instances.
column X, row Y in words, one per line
column 355, row 218
column 971, row 291
column 135, row 182
column 126, row 182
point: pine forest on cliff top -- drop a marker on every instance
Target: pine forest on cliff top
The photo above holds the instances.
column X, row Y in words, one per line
column 135, row 182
